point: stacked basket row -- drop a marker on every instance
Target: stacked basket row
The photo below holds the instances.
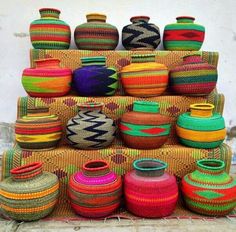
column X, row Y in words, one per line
column 95, row 191
column 143, row 77
column 50, row 32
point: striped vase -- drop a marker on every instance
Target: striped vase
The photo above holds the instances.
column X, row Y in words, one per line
column 144, row 127
column 201, row 128
column 38, row 130
column 95, row 191
column 94, row 78
column 144, row 77
column 184, row 35
column 149, row 190
column 29, row 194
column 140, row 34
column 49, row 32
column 96, row 34
column 48, row 79
column 193, row 77
column 209, row 190
column 90, row 128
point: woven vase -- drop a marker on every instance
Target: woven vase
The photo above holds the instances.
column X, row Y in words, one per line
column 193, row 77
column 140, row 34
column 29, row 194
column 95, row 191
column 90, row 128
column 47, row 79
column 201, row 128
column 96, row 34
column 185, row 35
column 94, row 78
column 149, row 190
column 209, row 190
column 49, row 32
column 38, row 130
column 144, row 77
column 145, row 127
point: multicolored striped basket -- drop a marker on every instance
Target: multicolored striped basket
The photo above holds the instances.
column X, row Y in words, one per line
column 96, row 34
column 29, row 194
column 149, row 190
column 184, row 35
column 201, row 128
column 38, row 130
column 145, row 127
column 209, row 190
column 144, row 77
column 193, row 77
column 50, row 32
column 95, row 191
column 47, row 79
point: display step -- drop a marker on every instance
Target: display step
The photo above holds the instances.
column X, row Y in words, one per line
column 66, row 160
column 118, row 58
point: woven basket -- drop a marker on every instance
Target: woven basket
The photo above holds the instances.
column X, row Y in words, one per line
column 149, row 191
column 29, row 194
column 209, row 190
column 95, row 191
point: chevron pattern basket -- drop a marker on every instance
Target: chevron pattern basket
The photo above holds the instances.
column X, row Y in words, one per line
column 140, row 34
column 90, row 128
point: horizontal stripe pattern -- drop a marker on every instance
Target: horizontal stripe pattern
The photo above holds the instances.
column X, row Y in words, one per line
column 41, row 132
column 91, row 197
column 144, row 79
column 31, row 199
column 96, row 36
column 49, row 33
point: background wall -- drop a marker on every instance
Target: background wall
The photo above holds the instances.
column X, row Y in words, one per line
column 217, row 16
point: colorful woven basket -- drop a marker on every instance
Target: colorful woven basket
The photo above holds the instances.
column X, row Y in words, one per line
column 94, row 78
column 29, row 194
column 193, row 77
column 50, row 32
column 38, row 130
column 209, row 189
column 96, row 34
column 145, row 127
column 140, row 34
column 90, row 128
column 184, row 35
column 95, row 191
column 201, row 128
column 144, row 77
column 149, row 190
column 48, row 79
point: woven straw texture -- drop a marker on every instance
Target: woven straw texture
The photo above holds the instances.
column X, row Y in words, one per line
column 184, row 35
column 50, row 32
column 96, row 34
column 209, row 190
column 29, row 194
column 140, row 34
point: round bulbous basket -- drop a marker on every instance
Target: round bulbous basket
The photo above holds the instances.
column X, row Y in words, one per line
column 95, row 191
column 201, row 127
column 185, row 35
column 209, row 190
column 149, row 190
column 49, row 32
column 30, row 193
column 96, row 34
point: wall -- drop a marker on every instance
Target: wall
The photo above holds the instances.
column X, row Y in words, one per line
column 218, row 17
